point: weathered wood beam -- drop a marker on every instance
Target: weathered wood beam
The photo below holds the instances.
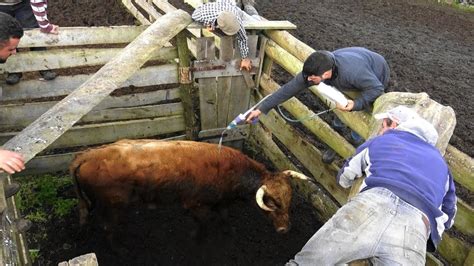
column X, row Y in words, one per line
column 23, row 114
column 70, row 58
column 461, row 165
column 257, row 25
column 75, row 36
column 52, row 124
column 103, row 115
column 306, row 153
column 188, row 94
column 148, row 7
column 134, row 11
column 63, row 85
column 108, row 132
column 316, row 125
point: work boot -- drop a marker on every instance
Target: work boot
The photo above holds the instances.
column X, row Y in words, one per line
column 328, row 156
column 356, row 139
column 48, row 74
column 13, row 78
column 11, row 189
column 22, row 225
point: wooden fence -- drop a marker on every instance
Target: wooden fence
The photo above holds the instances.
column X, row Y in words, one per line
column 156, row 101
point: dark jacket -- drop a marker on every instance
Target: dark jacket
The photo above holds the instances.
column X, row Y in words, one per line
column 356, row 69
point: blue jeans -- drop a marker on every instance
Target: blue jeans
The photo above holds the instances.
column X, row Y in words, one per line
column 375, row 225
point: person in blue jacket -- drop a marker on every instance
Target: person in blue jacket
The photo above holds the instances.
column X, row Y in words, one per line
column 347, row 69
column 404, row 205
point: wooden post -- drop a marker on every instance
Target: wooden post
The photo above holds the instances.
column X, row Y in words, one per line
column 52, row 124
column 186, row 87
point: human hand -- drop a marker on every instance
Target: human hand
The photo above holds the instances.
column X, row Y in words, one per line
column 55, row 30
column 11, row 162
column 246, row 64
column 347, row 108
column 253, row 116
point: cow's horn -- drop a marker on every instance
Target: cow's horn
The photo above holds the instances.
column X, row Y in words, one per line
column 259, row 198
column 296, row 174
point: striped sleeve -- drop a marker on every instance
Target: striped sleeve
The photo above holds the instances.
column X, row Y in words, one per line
column 39, row 10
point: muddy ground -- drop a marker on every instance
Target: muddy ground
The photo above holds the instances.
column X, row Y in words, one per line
column 429, row 48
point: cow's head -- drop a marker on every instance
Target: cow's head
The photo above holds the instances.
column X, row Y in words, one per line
column 274, row 197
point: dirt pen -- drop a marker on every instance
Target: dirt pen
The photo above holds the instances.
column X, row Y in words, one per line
column 126, row 82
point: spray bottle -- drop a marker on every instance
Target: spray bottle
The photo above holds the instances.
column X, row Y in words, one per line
column 240, row 119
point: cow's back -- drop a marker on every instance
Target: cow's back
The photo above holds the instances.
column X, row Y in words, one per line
column 156, row 162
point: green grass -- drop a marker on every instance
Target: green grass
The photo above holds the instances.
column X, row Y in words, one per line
column 40, row 199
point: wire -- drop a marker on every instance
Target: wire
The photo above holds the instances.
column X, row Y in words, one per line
column 304, row 118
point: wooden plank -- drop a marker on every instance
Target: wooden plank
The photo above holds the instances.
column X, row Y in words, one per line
column 214, row 135
column 261, row 139
column 134, row 11
column 461, row 166
column 240, row 94
column 63, row 85
column 307, row 154
column 224, row 84
column 188, row 94
column 464, row 221
column 257, row 25
column 70, row 58
column 57, row 120
column 74, row 36
column 21, row 115
column 153, row 14
column 316, row 125
column 109, row 132
column 207, row 86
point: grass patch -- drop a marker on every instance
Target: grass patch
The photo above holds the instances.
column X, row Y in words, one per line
column 43, row 199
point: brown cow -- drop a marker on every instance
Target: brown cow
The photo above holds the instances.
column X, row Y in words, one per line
column 201, row 175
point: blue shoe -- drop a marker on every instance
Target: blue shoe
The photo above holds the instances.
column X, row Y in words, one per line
column 328, row 156
column 356, row 139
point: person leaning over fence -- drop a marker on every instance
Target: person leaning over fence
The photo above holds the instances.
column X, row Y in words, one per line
column 347, row 69
column 31, row 14
column 404, row 205
column 10, row 34
column 225, row 16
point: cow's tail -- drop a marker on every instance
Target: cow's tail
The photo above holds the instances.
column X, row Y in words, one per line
column 85, row 203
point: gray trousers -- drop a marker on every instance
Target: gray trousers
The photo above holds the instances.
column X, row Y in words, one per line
column 375, row 225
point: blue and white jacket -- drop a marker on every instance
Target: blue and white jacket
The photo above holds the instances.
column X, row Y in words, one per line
column 412, row 169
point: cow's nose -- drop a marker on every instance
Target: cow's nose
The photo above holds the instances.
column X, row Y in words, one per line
column 282, row 230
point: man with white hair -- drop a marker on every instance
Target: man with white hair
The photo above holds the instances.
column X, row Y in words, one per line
column 406, row 201
column 225, row 16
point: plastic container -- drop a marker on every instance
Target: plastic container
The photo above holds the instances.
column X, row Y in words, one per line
column 332, row 94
